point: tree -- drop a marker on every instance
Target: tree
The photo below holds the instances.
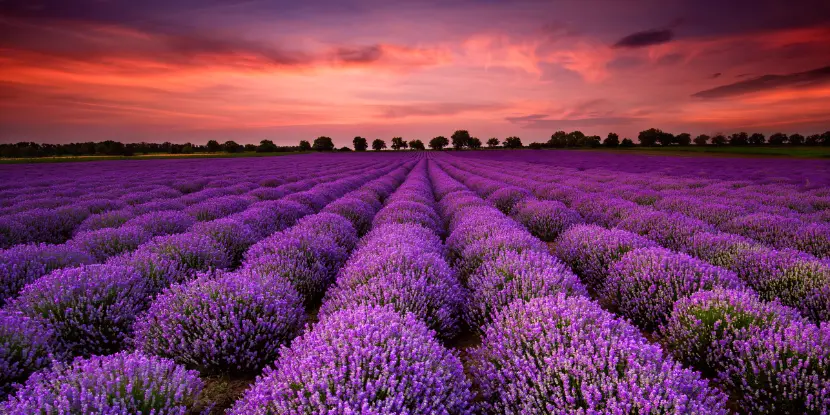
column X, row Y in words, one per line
column 559, row 139
column 701, row 140
column 825, row 138
column 683, row 139
column 344, row 149
column 574, row 139
column 627, row 142
column 251, row 147
column 378, row 144
column 796, row 139
column 360, row 144
column 493, row 142
column 460, row 139
column 591, row 141
column 231, row 147
column 305, row 145
column 323, row 143
column 474, row 143
column 266, row 146
column 665, row 139
column 512, row 142
column 739, row 139
column 187, row 148
column 613, row 140
column 438, row 143
column 649, row 137
column 813, row 140
column 213, row 146
column 398, row 143
column 719, row 140
column 757, row 139
column 778, row 139
column 417, row 145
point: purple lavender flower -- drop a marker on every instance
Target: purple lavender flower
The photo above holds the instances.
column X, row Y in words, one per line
column 512, row 276
column 505, row 199
column 193, row 251
column 780, row 370
column 719, row 249
column 23, row 264
column 265, row 218
column 164, row 222
column 796, row 279
column 562, row 354
column 644, row 284
column 546, row 219
column 409, row 279
column 108, row 219
column 394, row 235
column 90, row 308
column 590, row 250
column 123, row 383
column 506, row 240
column 702, row 327
column 108, row 242
column 331, row 225
column 25, row 347
column 233, row 235
column 228, row 323
column 358, row 212
column 671, row 230
column 311, row 199
column 363, row 360
column 217, row 207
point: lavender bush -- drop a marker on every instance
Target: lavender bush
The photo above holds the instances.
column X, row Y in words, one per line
column 23, row 264
column 226, row 323
column 123, row 383
column 562, row 354
column 644, row 284
column 90, row 308
column 363, row 360
column 25, row 347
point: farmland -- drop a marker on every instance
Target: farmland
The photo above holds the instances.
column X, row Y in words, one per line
column 469, row 282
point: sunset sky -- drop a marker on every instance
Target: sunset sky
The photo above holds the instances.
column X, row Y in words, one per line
column 194, row 70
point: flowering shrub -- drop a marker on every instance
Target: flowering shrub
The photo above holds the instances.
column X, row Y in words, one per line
column 358, row 212
column 511, row 276
column 192, row 251
column 90, row 308
column 702, row 327
column 108, row 242
column 228, row 323
column 590, row 250
column 796, row 279
column 218, row 207
column 781, row 370
column 720, row 249
column 265, row 218
column 368, row 360
column 233, row 235
column 25, row 346
column 123, row 383
column 23, row 264
column 562, row 354
column 671, row 230
column 409, row 280
column 506, row 199
column 546, row 219
column 108, row 219
column 644, row 284
column 164, row 222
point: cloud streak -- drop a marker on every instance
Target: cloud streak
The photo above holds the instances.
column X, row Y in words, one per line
column 645, row 38
column 805, row 79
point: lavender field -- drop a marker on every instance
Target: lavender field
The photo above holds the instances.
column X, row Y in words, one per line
column 470, row 282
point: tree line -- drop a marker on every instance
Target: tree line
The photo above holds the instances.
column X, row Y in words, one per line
column 460, row 139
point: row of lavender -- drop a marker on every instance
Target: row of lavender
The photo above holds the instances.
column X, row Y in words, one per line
column 199, row 323
column 772, row 359
column 113, row 233
column 100, row 195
